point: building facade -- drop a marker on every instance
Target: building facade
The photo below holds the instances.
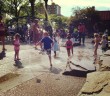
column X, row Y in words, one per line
column 54, row 9
column 104, row 20
column 51, row 9
column 104, row 15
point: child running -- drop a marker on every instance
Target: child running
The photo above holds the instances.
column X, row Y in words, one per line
column 47, row 44
column 16, row 44
column 69, row 46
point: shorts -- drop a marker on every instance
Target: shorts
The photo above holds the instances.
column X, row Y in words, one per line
column 48, row 51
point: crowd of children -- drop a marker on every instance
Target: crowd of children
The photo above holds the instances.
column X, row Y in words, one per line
column 48, row 43
column 102, row 40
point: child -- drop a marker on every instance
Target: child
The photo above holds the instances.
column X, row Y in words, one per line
column 104, row 43
column 69, row 45
column 47, row 43
column 96, row 43
column 55, row 45
column 16, row 44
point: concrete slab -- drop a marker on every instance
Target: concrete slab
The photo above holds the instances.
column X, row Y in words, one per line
column 35, row 64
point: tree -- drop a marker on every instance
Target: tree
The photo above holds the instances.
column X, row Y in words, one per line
column 86, row 15
column 14, row 7
column 1, row 7
column 60, row 21
column 32, row 2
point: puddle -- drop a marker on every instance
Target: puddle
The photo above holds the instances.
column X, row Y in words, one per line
column 8, row 76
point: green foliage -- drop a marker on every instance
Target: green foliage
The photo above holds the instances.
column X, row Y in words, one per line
column 59, row 21
column 1, row 7
column 88, row 13
column 38, row 8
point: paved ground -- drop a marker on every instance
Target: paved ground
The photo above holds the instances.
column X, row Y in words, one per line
column 36, row 78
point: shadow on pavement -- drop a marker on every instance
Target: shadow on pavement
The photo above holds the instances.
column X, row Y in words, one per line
column 77, row 73
column 55, row 70
column 18, row 64
column 2, row 55
column 106, row 54
column 76, row 44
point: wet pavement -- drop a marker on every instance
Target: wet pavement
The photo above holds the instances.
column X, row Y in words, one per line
column 34, row 65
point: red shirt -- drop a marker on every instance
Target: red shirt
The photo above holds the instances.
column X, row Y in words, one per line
column 81, row 28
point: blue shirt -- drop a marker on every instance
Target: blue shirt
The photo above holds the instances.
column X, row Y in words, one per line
column 47, row 42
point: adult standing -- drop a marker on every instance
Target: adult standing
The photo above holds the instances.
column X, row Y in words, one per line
column 2, row 33
column 82, row 31
column 36, row 36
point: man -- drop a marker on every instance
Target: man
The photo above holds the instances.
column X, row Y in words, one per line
column 2, row 33
column 82, row 30
column 36, row 31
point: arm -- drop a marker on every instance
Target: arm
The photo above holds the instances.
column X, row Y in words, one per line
column 66, row 44
column 13, row 42
column 100, row 42
column 39, row 43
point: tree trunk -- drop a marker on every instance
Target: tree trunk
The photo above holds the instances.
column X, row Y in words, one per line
column 16, row 15
column 32, row 2
column 32, row 10
column 46, row 3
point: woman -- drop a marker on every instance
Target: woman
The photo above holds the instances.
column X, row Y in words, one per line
column 2, row 33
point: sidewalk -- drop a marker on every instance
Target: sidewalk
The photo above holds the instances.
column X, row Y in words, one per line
column 52, row 83
column 36, row 79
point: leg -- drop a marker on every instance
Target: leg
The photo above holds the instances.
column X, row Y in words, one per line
column 72, row 50
column 68, row 52
column 79, row 37
column 15, row 55
column 18, row 55
column 54, row 53
column 3, row 42
column 50, row 60
column 95, row 52
column 83, row 37
column 49, row 55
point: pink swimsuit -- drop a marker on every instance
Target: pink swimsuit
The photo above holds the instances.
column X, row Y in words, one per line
column 69, row 44
column 16, row 45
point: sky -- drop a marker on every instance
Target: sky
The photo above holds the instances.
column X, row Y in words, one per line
column 67, row 5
